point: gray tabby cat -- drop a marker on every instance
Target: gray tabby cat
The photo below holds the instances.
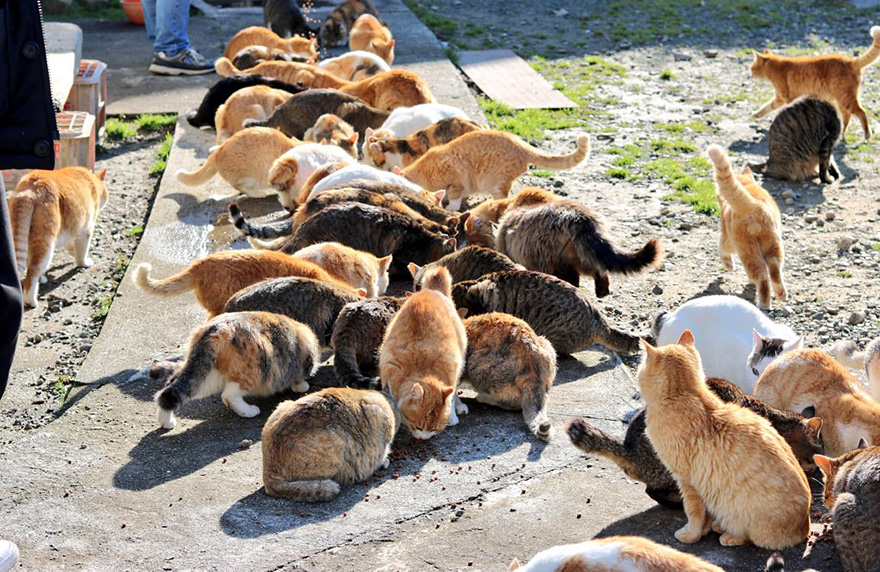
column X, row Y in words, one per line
column 469, row 263
column 357, row 335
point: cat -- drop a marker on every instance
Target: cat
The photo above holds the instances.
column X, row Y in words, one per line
column 405, row 121
column 510, row 366
column 739, row 351
column 354, row 66
column 218, row 93
column 314, row 303
column 483, row 220
column 216, row 277
column 484, row 161
column 708, row 444
column 636, row 457
column 293, row 168
column 50, row 209
column 468, row 263
column 315, row 445
column 240, row 354
column 329, row 129
column 852, row 492
column 356, row 338
column 244, row 161
column 801, row 139
column 370, row 35
column 387, row 152
column 302, row 110
column 567, row 239
column 847, row 353
column 285, row 18
column 260, row 36
column 257, row 102
column 614, row 554
column 360, row 269
column 813, row 379
column 553, row 308
column 833, row 78
column 339, row 177
column 340, row 20
column 422, row 358
column 751, row 228
column 253, row 55
column 427, row 204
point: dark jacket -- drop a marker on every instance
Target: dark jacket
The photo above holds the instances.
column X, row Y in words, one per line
column 27, row 116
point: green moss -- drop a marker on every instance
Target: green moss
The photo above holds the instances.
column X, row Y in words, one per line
column 667, row 75
column 542, row 173
column 162, row 156
column 118, row 130
column 103, row 303
column 622, row 174
column 689, row 185
column 675, row 146
column 844, row 273
column 155, row 122
column 443, row 27
column 135, row 231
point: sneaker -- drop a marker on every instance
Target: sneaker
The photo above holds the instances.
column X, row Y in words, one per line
column 187, row 62
column 8, row 555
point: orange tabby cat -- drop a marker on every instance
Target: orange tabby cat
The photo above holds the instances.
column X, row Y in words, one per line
column 811, row 378
column 422, row 357
column 368, row 34
column 330, row 129
column 49, row 209
column 833, row 78
column 216, row 277
column 484, row 161
column 360, row 269
column 386, row 151
column 255, row 102
column 751, row 227
column 483, row 220
column 260, row 36
column 731, row 466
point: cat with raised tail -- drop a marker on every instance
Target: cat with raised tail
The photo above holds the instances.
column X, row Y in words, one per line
column 847, row 353
column 241, row 354
column 357, row 336
column 751, row 227
column 469, row 263
column 260, row 36
column 389, row 151
column 321, row 442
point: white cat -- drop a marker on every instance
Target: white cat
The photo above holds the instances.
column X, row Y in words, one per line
column 736, row 341
column 847, row 353
column 351, row 65
column 405, row 121
column 291, row 170
column 353, row 172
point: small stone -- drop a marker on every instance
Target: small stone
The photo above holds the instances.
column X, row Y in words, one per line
column 820, row 222
column 856, row 318
column 682, row 57
column 657, row 290
column 845, row 243
column 789, row 201
column 557, row 183
column 685, row 226
column 786, row 312
column 788, row 194
column 830, row 215
column 811, row 217
column 562, row 12
column 245, row 443
column 711, row 54
column 36, row 338
column 818, row 316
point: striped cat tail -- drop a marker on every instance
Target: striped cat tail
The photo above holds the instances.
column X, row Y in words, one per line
column 225, row 68
column 726, row 183
column 309, row 491
column 21, row 210
column 618, row 340
column 872, row 53
column 272, row 230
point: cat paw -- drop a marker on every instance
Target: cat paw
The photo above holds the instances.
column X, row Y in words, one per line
column 728, row 539
column 461, row 408
column 716, row 527
column 386, row 462
column 87, row 262
column 247, row 410
column 687, row 536
column 453, row 420
column 300, row 387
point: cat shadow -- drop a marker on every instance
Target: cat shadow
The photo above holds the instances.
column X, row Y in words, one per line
column 54, row 281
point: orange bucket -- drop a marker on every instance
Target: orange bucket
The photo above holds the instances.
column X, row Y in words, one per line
column 134, row 11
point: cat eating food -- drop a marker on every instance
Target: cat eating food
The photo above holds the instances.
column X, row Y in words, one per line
column 361, row 270
column 354, row 66
column 339, row 21
column 291, row 170
column 370, row 35
column 468, row 263
column 357, row 336
column 218, row 93
column 483, row 221
column 256, row 103
column 260, row 36
column 329, row 129
column 387, row 152
column 285, row 18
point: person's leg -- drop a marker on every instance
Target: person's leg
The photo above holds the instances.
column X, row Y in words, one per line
column 172, row 19
column 11, row 308
column 149, row 7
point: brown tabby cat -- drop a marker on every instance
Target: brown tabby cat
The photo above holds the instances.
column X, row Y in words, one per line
column 484, row 161
column 329, row 129
column 315, row 445
column 469, row 263
column 833, row 78
column 422, row 358
column 260, row 36
column 368, row 34
column 510, row 366
column 257, row 102
column 751, row 227
column 483, row 220
column 240, row 354
column 388, row 152
column 706, row 444
column 339, row 22
column 360, row 269
column 357, row 335
column 49, row 209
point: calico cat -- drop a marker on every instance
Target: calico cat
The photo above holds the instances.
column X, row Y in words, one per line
column 847, row 353
column 484, row 161
column 293, row 168
column 567, row 239
column 852, row 492
column 833, row 78
column 218, row 93
column 315, row 445
column 50, row 209
column 354, row 66
column 334, row 177
column 340, row 20
column 329, row 129
column 469, row 263
column 483, row 220
column 706, row 443
column 314, row 303
column 260, row 36
column 751, row 227
column 510, row 366
column 240, row 354
column 285, row 19
column 216, row 277
column 801, row 139
column 302, row 110
column 357, row 335
column 360, row 269
column 739, row 351
column 813, row 379
column 422, row 357
column 389, row 152
column 257, row 102
column 369, row 35
column 553, row 308
column 613, row 554
column 244, row 160
column 254, row 55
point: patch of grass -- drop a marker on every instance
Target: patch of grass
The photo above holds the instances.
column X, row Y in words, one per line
column 162, row 156
column 543, row 173
column 103, row 303
column 622, row 174
column 667, row 75
column 81, row 11
column 452, row 54
column 875, row 245
column 844, row 273
column 527, row 123
column 155, row 122
column 443, row 28
column 119, row 130
column 134, row 231
column 689, row 187
column 675, row 146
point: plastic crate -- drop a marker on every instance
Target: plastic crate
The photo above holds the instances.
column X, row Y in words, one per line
column 89, row 92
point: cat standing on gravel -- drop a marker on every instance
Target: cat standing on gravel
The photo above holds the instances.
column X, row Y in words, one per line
column 241, row 354
column 847, row 353
column 751, row 227
column 48, row 209
column 469, row 263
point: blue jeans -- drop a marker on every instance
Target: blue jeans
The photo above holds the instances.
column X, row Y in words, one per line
column 166, row 22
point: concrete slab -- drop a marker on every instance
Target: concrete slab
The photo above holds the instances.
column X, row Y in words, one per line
column 507, row 78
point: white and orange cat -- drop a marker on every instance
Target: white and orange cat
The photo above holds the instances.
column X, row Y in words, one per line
column 290, row 171
column 422, row 357
column 260, row 36
column 254, row 102
column 369, row 35
column 355, row 66
column 360, row 269
column 49, row 209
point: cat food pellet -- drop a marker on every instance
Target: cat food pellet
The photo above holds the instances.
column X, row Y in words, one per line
column 123, row 525
column 578, row 516
column 470, row 563
column 523, row 492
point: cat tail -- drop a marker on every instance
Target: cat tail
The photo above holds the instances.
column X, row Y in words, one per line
column 21, row 211
column 592, row 440
column 225, row 68
column 272, row 230
column 656, row 327
column 180, row 282
column 201, row 175
column 346, row 367
column 728, row 185
column 847, row 353
column 308, row 491
column 184, row 384
column 558, row 162
column 618, row 340
column 871, row 55
column 594, row 247
column 538, row 378
column 439, row 279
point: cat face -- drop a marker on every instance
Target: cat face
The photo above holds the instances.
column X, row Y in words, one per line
column 830, row 467
column 765, row 350
column 426, row 409
column 333, row 32
column 282, row 177
column 758, row 68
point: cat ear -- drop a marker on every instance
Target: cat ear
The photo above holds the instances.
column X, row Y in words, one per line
column 793, row 345
column 397, row 170
column 447, row 392
column 747, row 171
column 324, row 141
column 439, row 195
column 809, row 411
column 463, row 217
column 823, row 463
column 649, row 349
column 686, row 338
column 354, row 138
column 368, row 134
column 450, row 242
column 385, row 262
column 862, row 444
column 462, row 313
column 759, row 340
column 376, row 147
column 814, row 426
column 101, row 174
column 452, row 221
column 416, row 393
column 413, row 268
column 514, row 565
